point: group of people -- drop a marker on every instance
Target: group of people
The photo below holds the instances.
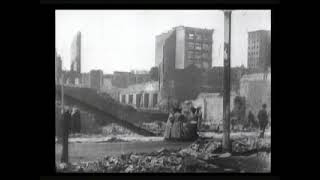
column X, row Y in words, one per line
column 263, row 120
column 183, row 125
column 72, row 117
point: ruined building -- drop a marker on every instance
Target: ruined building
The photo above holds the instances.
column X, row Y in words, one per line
column 96, row 79
column 141, row 96
column 76, row 53
column 122, row 79
column 58, row 68
column 75, row 68
column 184, row 56
column 190, row 46
column 259, row 50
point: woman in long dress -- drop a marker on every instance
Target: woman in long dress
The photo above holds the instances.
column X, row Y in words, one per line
column 177, row 129
column 167, row 132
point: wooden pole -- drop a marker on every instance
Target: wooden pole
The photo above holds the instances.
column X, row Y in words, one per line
column 65, row 129
column 226, row 145
column 62, row 94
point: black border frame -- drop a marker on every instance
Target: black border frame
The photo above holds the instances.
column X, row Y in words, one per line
column 47, row 31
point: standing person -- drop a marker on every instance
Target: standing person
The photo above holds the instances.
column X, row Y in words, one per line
column 251, row 119
column 188, row 126
column 193, row 124
column 66, row 117
column 177, row 127
column 72, row 120
column 232, row 120
column 263, row 119
column 199, row 116
column 269, row 119
column 167, row 132
column 76, row 124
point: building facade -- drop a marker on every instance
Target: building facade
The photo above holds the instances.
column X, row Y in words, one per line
column 183, row 55
column 256, row 88
column 141, row 96
column 107, row 82
column 212, row 108
column 85, row 80
column 122, row 79
column 125, row 79
column 191, row 46
column 259, row 50
column 96, row 79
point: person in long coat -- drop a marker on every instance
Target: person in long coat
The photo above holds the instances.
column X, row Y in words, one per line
column 190, row 128
column 167, row 132
column 177, row 127
column 72, row 120
column 263, row 119
column 199, row 117
column 65, row 126
column 76, row 121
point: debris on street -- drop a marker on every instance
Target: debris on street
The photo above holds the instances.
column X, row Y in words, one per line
column 157, row 127
column 197, row 157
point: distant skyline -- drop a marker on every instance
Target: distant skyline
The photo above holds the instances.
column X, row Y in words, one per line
column 124, row 40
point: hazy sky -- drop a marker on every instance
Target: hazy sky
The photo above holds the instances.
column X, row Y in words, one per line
column 124, row 40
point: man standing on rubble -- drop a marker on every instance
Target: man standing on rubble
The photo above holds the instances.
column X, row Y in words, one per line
column 263, row 119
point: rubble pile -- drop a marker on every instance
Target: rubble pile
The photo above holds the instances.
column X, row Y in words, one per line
column 162, row 161
column 157, row 127
column 208, row 148
column 114, row 129
column 245, row 144
column 203, row 148
column 197, row 157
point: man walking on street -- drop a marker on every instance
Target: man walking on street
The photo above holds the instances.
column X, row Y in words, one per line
column 263, row 119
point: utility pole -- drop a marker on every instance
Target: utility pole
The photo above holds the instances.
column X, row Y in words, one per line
column 226, row 144
column 65, row 128
column 62, row 100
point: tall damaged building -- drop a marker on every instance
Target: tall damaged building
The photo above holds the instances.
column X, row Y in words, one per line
column 76, row 53
column 259, row 50
column 184, row 56
column 75, row 69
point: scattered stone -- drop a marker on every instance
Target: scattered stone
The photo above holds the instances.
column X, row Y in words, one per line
column 194, row 158
column 63, row 166
column 134, row 158
column 212, row 166
column 225, row 155
column 228, row 169
column 129, row 169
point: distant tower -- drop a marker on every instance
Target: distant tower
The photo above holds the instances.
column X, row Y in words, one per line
column 76, row 53
column 58, row 67
column 259, row 50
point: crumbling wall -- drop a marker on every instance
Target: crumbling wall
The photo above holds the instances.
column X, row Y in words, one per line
column 256, row 88
column 187, row 83
column 212, row 108
column 167, row 93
